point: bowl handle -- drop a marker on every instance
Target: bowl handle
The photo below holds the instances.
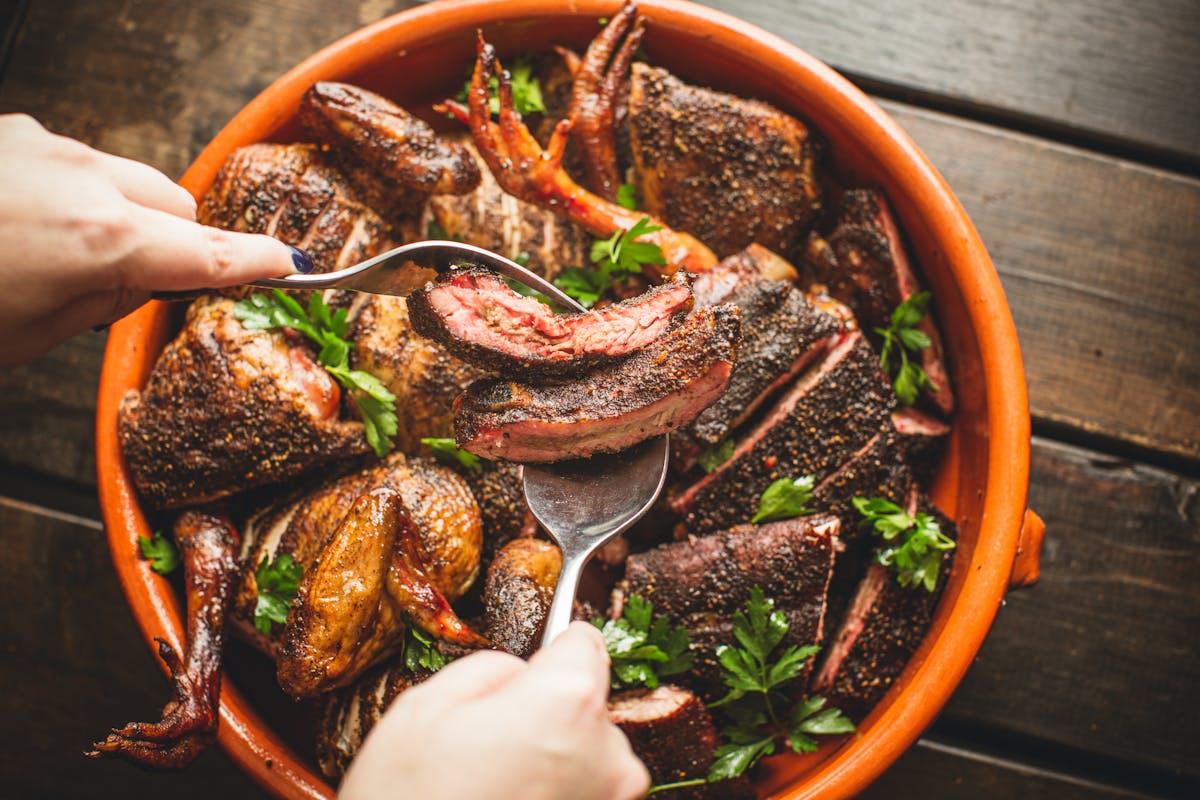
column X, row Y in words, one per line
column 1026, row 568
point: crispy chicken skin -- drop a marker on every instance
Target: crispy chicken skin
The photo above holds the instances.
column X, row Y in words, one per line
column 294, row 193
column 396, row 541
column 519, row 589
column 491, row 218
column 424, row 377
column 384, row 136
column 227, row 409
column 207, row 543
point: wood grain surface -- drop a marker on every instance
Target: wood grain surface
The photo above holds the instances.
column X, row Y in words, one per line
column 1086, row 685
column 1108, row 71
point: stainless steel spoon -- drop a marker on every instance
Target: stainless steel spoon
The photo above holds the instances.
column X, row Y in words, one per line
column 582, row 503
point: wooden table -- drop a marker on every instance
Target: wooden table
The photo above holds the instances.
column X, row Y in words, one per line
column 1071, row 132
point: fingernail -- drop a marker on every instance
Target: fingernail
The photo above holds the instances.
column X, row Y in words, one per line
column 302, row 260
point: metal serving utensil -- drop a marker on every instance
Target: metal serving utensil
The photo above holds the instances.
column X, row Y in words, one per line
column 581, row 503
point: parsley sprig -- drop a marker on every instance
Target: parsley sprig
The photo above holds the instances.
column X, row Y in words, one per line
column 419, row 651
column 616, row 259
column 376, row 405
column 713, row 456
column 902, row 337
column 277, row 582
column 627, row 196
column 784, row 499
column 643, row 647
column 759, row 706
column 447, row 451
column 160, row 552
column 526, row 89
column 915, row 541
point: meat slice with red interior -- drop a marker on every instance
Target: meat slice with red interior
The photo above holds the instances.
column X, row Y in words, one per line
column 652, row 392
column 828, row 415
column 782, row 333
column 673, row 734
column 864, row 264
column 700, row 584
column 883, row 627
column 755, row 262
column 480, row 319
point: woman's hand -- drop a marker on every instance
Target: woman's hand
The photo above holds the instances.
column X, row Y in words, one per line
column 85, row 237
column 493, row 726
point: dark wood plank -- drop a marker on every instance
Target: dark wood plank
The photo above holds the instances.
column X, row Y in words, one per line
column 936, row 771
column 1114, row 71
column 74, row 666
column 1102, row 655
column 1100, row 259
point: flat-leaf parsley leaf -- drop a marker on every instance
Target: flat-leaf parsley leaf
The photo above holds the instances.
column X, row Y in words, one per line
column 784, row 499
column 448, row 452
column 160, row 552
column 642, row 647
column 376, row 404
column 277, row 582
column 915, row 543
column 615, row 259
column 902, row 337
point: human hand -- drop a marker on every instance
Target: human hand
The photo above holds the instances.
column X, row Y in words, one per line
column 86, row 236
column 493, row 726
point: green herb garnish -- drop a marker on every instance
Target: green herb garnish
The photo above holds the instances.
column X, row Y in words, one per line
column 616, row 259
column 376, row 405
column 902, row 337
column 784, row 499
column 643, row 648
column 916, row 541
column 277, row 582
column 627, row 196
column 448, row 452
column 160, row 552
column 419, row 651
column 526, row 90
column 712, row 457
column 758, row 709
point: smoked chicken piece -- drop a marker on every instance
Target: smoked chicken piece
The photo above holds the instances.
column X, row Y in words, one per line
column 728, row 170
column 295, row 193
column 885, row 624
column 517, row 596
column 350, row 714
column 671, row 731
column 422, row 375
column 656, row 390
column 700, row 583
column 475, row 315
column 540, row 238
column 227, row 408
column 384, row 136
column 864, row 264
column 828, row 415
column 390, row 545
column 525, row 170
column 207, row 544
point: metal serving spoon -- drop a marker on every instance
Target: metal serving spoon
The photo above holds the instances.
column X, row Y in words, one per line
column 581, row 503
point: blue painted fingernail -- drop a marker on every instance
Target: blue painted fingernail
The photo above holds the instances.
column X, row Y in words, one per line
column 302, row 260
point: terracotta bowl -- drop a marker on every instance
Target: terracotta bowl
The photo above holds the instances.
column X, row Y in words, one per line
column 420, row 56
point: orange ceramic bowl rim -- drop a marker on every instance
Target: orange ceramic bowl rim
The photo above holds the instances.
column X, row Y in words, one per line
column 950, row 648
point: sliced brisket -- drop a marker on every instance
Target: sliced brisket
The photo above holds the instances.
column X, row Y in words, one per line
column 700, row 583
column 717, row 284
column 654, row 391
column 827, row 416
column 883, row 627
column 480, row 319
column 864, row 264
column 671, row 731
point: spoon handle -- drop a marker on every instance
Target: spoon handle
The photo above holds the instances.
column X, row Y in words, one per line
column 559, row 616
